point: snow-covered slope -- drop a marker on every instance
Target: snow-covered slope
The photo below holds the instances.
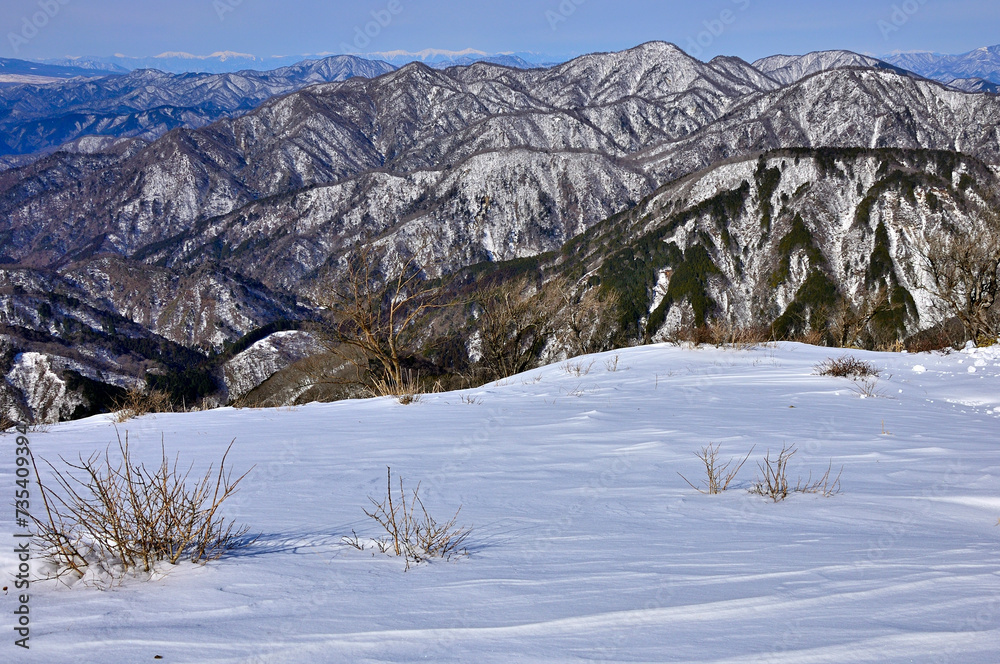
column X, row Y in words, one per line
column 760, row 242
column 247, row 370
column 787, row 69
column 974, row 85
column 466, row 165
column 586, row 544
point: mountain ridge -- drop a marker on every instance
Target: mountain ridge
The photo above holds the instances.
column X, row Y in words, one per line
column 479, row 165
column 982, row 63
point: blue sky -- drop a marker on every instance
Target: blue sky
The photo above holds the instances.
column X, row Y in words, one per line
column 746, row 28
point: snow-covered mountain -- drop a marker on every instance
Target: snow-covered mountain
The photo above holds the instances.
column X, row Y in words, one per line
column 225, row 62
column 784, row 241
column 787, row 69
column 981, row 63
column 440, row 58
column 147, row 103
column 178, row 62
column 490, row 163
column 14, row 72
column 974, row 85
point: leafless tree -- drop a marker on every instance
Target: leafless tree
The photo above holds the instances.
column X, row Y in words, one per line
column 376, row 306
column 851, row 324
column 588, row 323
column 964, row 271
column 516, row 320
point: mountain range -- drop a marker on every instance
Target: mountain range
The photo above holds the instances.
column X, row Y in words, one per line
column 176, row 62
column 13, row 72
column 982, row 63
column 224, row 62
column 148, row 103
column 440, row 59
column 142, row 254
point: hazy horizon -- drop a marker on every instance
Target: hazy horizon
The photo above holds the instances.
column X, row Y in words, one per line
column 559, row 29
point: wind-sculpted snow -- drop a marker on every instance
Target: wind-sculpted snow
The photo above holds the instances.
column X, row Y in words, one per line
column 586, row 545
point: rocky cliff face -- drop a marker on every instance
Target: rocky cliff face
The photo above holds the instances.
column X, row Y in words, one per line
column 791, row 239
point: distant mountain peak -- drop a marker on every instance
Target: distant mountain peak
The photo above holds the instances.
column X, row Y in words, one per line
column 221, row 55
column 982, row 63
column 428, row 53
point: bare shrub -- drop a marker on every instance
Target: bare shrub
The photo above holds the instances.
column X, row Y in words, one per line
column 773, row 481
column 867, row 388
column 846, row 366
column 876, row 320
column 692, row 334
column 412, row 532
column 5, row 423
column 945, row 336
column 587, row 321
column 825, row 486
column 717, row 477
column 612, row 364
column 725, row 333
column 137, row 403
column 813, row 337
column 381, row 544
column 119, row 516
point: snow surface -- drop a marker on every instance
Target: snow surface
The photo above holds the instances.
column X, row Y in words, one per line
column 587, row 546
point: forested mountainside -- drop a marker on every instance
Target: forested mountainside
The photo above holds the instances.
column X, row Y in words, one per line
column 206, row 235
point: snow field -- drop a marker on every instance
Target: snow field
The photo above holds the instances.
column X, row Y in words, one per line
column 586, row 545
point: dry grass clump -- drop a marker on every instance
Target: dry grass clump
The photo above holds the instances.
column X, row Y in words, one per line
column 5, row 423
column 847, row 366
column 579, row 368
column 774, row 482
column 718, row 332
column 137, row 403
column 723, row 333
column 412, row 532
column 406, row 390
column 718, row 476
column 116, row 516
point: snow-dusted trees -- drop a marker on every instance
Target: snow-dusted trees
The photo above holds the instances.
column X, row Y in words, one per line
column 519, row 321
column 964, row 271
column 516, row 321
